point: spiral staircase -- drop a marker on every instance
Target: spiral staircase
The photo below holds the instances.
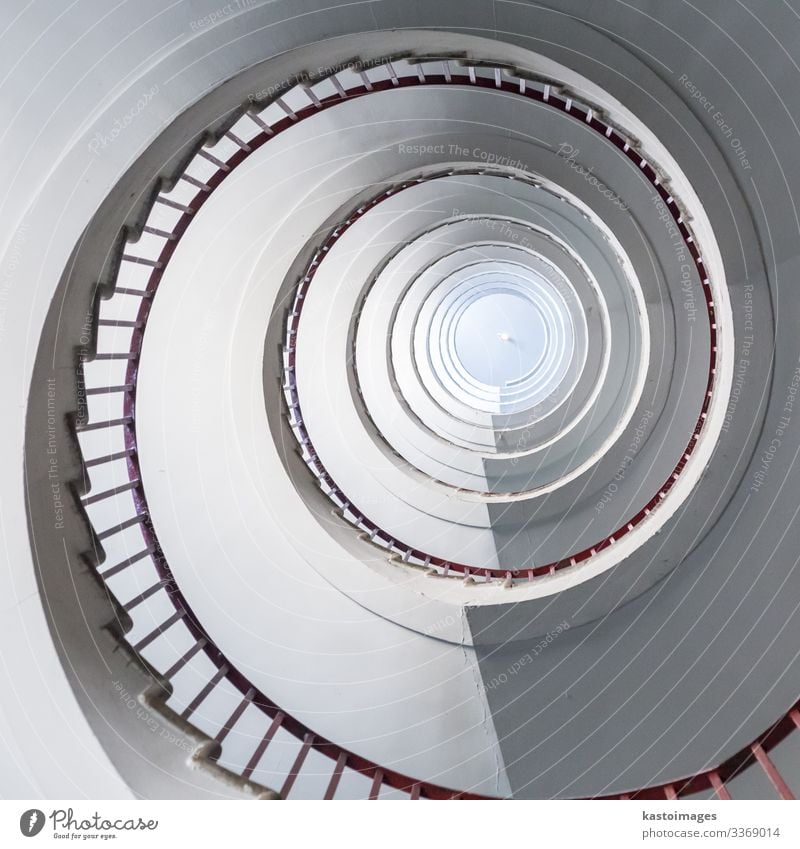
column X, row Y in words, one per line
column 409, row 398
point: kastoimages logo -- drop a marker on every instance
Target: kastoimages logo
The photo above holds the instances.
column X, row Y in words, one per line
column 31, row 822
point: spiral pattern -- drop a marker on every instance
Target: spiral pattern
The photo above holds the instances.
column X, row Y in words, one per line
column 435, row 410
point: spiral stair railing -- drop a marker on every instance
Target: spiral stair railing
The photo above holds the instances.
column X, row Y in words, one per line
column 283, row 753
